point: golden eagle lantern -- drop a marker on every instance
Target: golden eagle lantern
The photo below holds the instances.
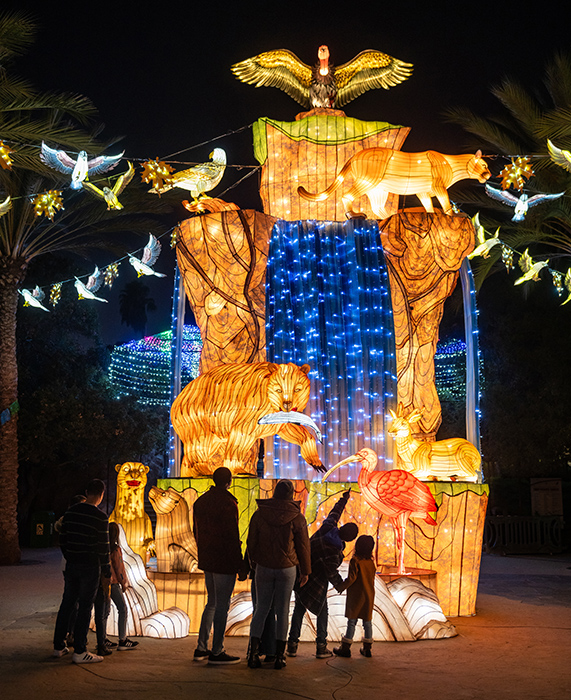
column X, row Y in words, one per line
column 454, row 459
column 222, row 414
column 378, row 172
column 397, row 494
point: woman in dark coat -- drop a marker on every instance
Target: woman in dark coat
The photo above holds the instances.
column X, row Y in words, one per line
column 278, row 543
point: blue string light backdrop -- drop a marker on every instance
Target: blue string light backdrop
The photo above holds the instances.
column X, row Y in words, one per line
column 328, row 305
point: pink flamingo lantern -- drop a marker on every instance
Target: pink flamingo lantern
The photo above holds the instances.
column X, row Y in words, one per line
column 397, row 494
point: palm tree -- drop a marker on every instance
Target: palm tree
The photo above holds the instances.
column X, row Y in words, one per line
column 134, row 302
column 28, row 117
column 526, row 120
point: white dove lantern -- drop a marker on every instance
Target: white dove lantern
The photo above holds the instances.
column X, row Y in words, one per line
column 34, row 298
column 87, row 291
column 150, row 254
column 522, row 203
column 81, row 167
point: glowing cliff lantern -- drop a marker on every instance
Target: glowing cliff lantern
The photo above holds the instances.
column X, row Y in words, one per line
column 48, row 203
column 5, row 153
column 397, row 494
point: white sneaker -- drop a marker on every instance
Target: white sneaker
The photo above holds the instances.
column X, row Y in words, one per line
column 86, row 658
column 58, row 653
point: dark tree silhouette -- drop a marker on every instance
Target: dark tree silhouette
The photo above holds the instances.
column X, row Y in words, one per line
column 134, row 303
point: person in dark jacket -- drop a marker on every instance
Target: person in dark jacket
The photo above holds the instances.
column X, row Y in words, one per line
column 327, row 549
column 220, row 557
column 278, row 543
column 84, row 541
column 360, row 586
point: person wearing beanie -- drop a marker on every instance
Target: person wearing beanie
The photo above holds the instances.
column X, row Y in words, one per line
column 278, row 544
column 327, row 551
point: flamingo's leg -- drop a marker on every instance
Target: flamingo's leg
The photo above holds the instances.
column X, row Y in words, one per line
column 400, row 528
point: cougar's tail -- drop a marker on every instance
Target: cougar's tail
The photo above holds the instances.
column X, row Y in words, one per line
column 320, row 196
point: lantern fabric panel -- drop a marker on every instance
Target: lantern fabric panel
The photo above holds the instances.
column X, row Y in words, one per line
column 310, row 152
column 424, row 253
column 223, row 259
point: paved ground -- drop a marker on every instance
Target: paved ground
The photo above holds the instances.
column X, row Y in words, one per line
column 517, row 647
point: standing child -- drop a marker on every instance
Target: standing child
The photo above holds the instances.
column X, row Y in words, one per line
column 360, row 586
column 119, row 583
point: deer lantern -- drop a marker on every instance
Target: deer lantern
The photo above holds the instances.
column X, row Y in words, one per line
column 454, row 459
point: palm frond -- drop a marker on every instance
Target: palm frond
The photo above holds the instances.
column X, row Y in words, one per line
column 523, row 108
column 17, row 32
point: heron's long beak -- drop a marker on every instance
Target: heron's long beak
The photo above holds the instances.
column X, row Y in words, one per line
column 348, row 460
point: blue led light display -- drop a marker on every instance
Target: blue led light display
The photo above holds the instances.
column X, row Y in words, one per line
column 328, row 305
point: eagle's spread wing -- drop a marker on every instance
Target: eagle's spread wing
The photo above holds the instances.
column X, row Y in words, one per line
column 102, row 164
column 559, row 156
column 90, row 187
column 152, row 251
column 123, row 180
column 501, row 196
column 367, row 71
column 57, row 159
column 281, row 69
column 525, row 262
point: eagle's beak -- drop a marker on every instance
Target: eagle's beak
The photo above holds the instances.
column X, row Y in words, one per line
column 348, row 460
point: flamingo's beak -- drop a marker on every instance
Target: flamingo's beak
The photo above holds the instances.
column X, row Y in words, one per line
column 348, row 460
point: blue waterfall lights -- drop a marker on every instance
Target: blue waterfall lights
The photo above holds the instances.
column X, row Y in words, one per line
column 328, row 305
column 472, row 355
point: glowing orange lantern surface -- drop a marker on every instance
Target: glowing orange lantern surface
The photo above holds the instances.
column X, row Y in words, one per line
column 397, row 494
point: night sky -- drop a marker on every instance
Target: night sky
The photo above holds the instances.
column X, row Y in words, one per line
column 161, row 77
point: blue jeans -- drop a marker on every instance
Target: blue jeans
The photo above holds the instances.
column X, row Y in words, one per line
column 367, row 627
column 272, row 586
column 297, row 621
column 219, row 588
column 102, row 610
column 81, row 583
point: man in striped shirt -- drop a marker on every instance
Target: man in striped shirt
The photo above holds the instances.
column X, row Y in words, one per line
column 84, row 541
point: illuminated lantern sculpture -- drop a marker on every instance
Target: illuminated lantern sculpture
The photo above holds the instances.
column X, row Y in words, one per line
column 454, row 459
column 129, row 510
column 174, row 541
column 378, row 172
column 144, row 619
column 397, row 494
column 222, row 414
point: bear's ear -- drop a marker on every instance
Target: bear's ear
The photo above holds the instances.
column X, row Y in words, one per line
column 305, row 368
column 146, row 468
column 118, row 467
column 272, row 369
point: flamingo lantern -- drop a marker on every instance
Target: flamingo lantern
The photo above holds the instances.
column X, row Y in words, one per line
column 397, row 494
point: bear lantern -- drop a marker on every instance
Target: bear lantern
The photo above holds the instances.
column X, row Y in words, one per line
column 222, row 414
